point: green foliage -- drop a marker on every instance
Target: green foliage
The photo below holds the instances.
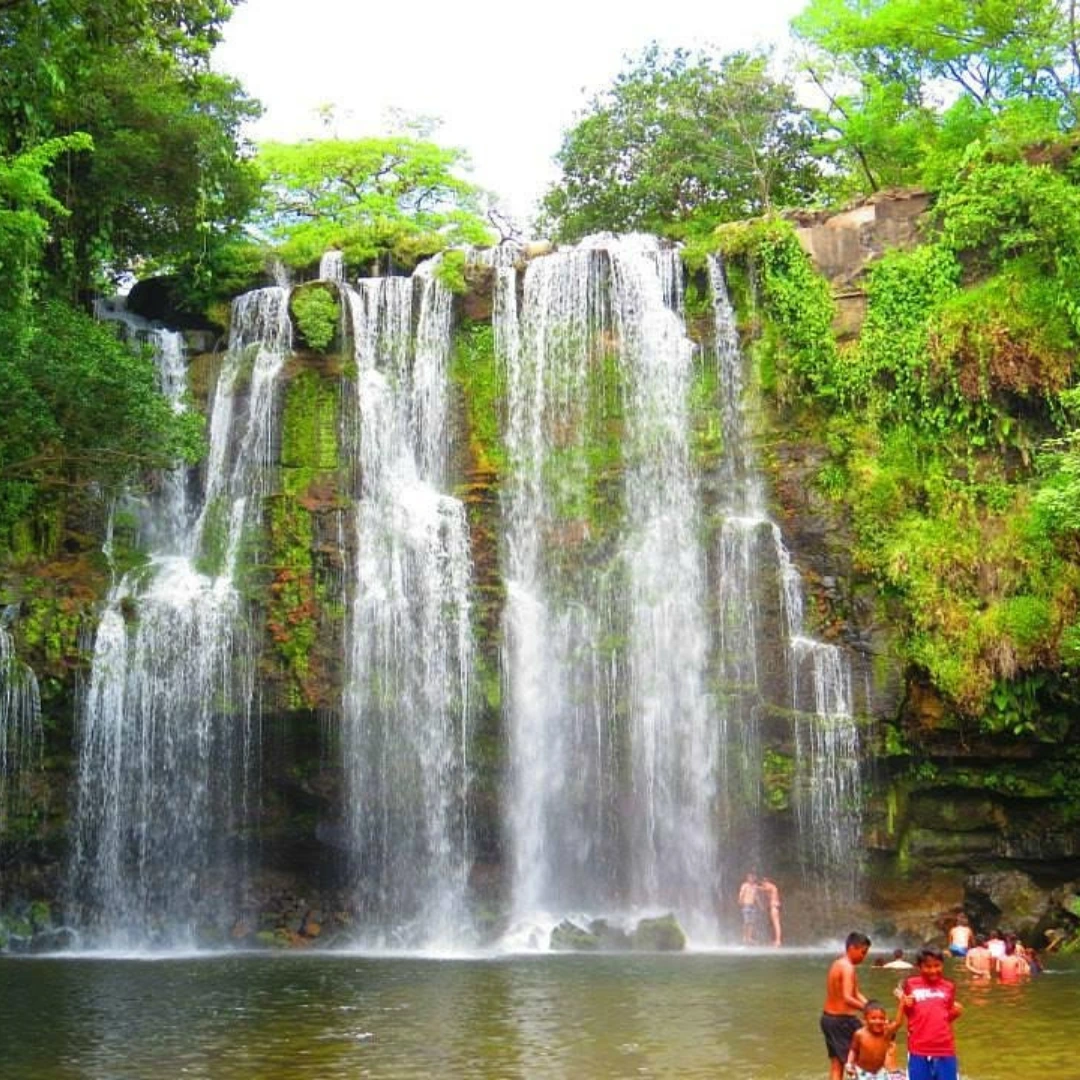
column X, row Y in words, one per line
column 166, row 180
column 679, row 142
column 82, row 409
column 475, row 368
column 451, row 270
column 317, row 313
column 1014, row 707
column 1025, row 619
column 933, row 417
column 369, row 197
column 889, row 370
column 1012, row 65
column 800, row 307
column 777, row 777
column 27, row 204
column 1005, row 335
column 1057, row 500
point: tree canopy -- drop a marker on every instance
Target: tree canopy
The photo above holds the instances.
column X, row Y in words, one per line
column 117, row 145
column 167, row 177
column 395, row 194
column 909, row 84
column 682, row 137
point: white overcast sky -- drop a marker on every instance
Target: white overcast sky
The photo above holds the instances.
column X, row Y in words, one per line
column 505, row 78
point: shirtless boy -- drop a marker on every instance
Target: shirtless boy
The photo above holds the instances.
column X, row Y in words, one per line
column 978, row 960
column 748, row 892
column 843, row 1002
column 868, row 1056
column 961, row 936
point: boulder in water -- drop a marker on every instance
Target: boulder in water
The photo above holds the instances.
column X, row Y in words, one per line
column 662, row 934
column 569, row 937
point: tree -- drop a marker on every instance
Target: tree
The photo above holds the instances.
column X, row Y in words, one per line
column 26, row 206
column 904, row 80
column 168, row 177
column 681, row 136
column 116, row 144
column 393, row 195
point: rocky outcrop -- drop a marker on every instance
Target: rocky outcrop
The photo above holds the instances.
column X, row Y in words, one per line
column 843, row 244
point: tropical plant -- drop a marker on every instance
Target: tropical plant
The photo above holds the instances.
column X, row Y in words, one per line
column 167, row 179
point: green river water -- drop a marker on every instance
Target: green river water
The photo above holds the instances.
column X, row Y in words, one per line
column 750, row 1016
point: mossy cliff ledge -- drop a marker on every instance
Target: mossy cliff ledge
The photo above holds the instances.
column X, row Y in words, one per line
column 962, row 809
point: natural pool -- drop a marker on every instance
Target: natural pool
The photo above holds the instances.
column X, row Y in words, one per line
column 324, row 1016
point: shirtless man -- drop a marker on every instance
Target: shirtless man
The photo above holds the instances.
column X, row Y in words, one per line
column 844, row 1002
column 978, row 960
column 770, row 894
column 748, row 892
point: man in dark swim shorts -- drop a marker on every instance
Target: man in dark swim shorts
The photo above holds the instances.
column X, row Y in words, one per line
column 838, row 1030
column 843, row 1002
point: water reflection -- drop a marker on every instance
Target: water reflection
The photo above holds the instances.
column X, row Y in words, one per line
column 536, row 1018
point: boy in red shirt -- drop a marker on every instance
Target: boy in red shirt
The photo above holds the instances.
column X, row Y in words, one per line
column 930, row 1007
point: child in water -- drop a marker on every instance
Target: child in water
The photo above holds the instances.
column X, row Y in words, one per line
column 930, row 1007
column 872, row 1047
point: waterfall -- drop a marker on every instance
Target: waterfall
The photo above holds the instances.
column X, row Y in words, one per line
column 405, row 728
column 165, row 735
column 826, row 744
column 601, row 336
column 653, row 618
column 332, row 266
column 20, row 724
column 673, row 736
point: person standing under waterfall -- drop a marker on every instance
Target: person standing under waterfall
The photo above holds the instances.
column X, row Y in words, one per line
column 770, row 895
column 748, row 907
column 844, row 1002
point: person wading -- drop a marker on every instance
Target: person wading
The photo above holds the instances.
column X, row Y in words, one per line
column 840, row 1016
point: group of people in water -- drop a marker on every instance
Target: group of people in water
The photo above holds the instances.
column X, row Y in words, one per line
column 860, row 1036
column 995, row 954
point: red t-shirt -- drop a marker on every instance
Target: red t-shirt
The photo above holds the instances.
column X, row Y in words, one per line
column 929, row 1017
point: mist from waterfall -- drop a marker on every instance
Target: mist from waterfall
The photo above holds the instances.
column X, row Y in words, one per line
column 405, row 729
column 166, row 732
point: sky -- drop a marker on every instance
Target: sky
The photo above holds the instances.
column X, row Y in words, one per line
column 506, row 78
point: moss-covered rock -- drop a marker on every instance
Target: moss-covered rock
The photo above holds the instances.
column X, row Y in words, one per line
column 662, row 934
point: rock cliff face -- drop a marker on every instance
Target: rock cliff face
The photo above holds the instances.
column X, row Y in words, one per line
column 975, row 825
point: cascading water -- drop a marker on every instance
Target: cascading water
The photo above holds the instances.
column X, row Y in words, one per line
column 651, row 614
column 405, row 728
column 332, row 266
column 605, row 814
column 20, row 723
column 636, row 660
column 752, row 552
column 165, row 735
column 673, row 736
